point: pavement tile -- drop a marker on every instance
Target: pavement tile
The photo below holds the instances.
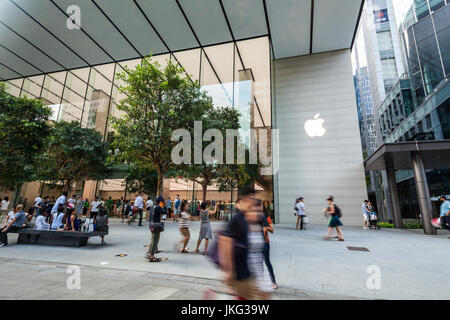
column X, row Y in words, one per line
column 408, row 266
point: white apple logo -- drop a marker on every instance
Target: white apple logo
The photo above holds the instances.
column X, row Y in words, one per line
column 314, row 127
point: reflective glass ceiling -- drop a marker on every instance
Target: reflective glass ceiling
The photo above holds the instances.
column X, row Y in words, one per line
column 35, row 39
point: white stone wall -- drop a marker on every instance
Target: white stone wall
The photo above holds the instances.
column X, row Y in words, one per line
column 317, row 167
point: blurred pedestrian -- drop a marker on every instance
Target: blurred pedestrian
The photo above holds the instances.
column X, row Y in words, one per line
column 240, row 250
column 335, row 222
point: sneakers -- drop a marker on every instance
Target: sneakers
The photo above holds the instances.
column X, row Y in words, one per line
column 3, row 245
column 365, row 228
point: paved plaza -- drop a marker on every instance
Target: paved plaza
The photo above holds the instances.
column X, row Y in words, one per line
column 306, row 266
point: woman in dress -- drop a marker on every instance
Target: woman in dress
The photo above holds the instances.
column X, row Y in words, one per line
column 335, row 221
column 205, row 228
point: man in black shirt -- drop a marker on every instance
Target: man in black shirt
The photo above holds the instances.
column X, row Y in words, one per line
column 155, row 219
column 233, row 248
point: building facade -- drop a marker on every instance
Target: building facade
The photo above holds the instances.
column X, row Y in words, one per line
column 418, row 108
column 378, row 63
column 272, row 60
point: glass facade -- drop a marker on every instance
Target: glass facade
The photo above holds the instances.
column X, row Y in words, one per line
column 422, row 101
column 427, row 49
column 235, row 74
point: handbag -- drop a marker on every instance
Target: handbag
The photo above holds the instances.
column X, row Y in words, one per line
column 157, row 227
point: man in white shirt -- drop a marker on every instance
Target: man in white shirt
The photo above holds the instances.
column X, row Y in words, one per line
column 37, row 202
column 139, row 204
column 95, row 206
column 41, row 224
column 365, row 214
column 61, row 200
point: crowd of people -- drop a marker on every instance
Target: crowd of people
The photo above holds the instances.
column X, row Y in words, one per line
column 62, row 214
column 241, row 250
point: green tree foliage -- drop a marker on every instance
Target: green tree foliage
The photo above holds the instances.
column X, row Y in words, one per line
column 23, row 129
column 158, row 101
column 141, row 178
column 207, row 173
column 74, row 154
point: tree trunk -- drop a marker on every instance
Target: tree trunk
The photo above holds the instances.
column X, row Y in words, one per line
column 17, row 195
column 204, row 190
column 68, row 186
column 159, row 187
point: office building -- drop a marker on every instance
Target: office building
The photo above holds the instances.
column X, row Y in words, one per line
column 280, row 62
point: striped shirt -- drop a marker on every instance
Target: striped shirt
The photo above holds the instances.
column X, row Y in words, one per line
column 184, row 220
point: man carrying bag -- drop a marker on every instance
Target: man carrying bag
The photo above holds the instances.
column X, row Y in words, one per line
column 156, row 227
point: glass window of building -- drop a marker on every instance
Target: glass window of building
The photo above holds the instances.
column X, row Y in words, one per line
column 428, row 54
column 385, row 44
column 422, row 9
column 441, row 22
column 389, row 69
column 436, row 4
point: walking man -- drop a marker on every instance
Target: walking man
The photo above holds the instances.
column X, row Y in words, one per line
column 95, row 206
column 139, row 204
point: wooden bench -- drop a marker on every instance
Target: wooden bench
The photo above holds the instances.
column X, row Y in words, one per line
column 57, row 238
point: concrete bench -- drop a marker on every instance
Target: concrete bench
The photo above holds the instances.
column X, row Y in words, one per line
column 57, row 238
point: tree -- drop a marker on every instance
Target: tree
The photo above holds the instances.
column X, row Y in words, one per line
column 237, row 176
column 158, row 100
column 74, row 154
column 23, row 129
column 208, row 172
column 141, row 178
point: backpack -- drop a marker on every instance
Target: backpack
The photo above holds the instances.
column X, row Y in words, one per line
column 101, row 223
column 337, row 211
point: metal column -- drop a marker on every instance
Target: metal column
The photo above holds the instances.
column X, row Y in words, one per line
column 395, row 201
column 423, row 193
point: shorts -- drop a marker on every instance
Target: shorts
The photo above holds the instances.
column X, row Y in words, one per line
column 185, row 232
column 365, row 217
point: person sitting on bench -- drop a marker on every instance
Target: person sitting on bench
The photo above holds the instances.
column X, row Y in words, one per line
column 41, row 223
column 57, row 221
column 14, row 226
